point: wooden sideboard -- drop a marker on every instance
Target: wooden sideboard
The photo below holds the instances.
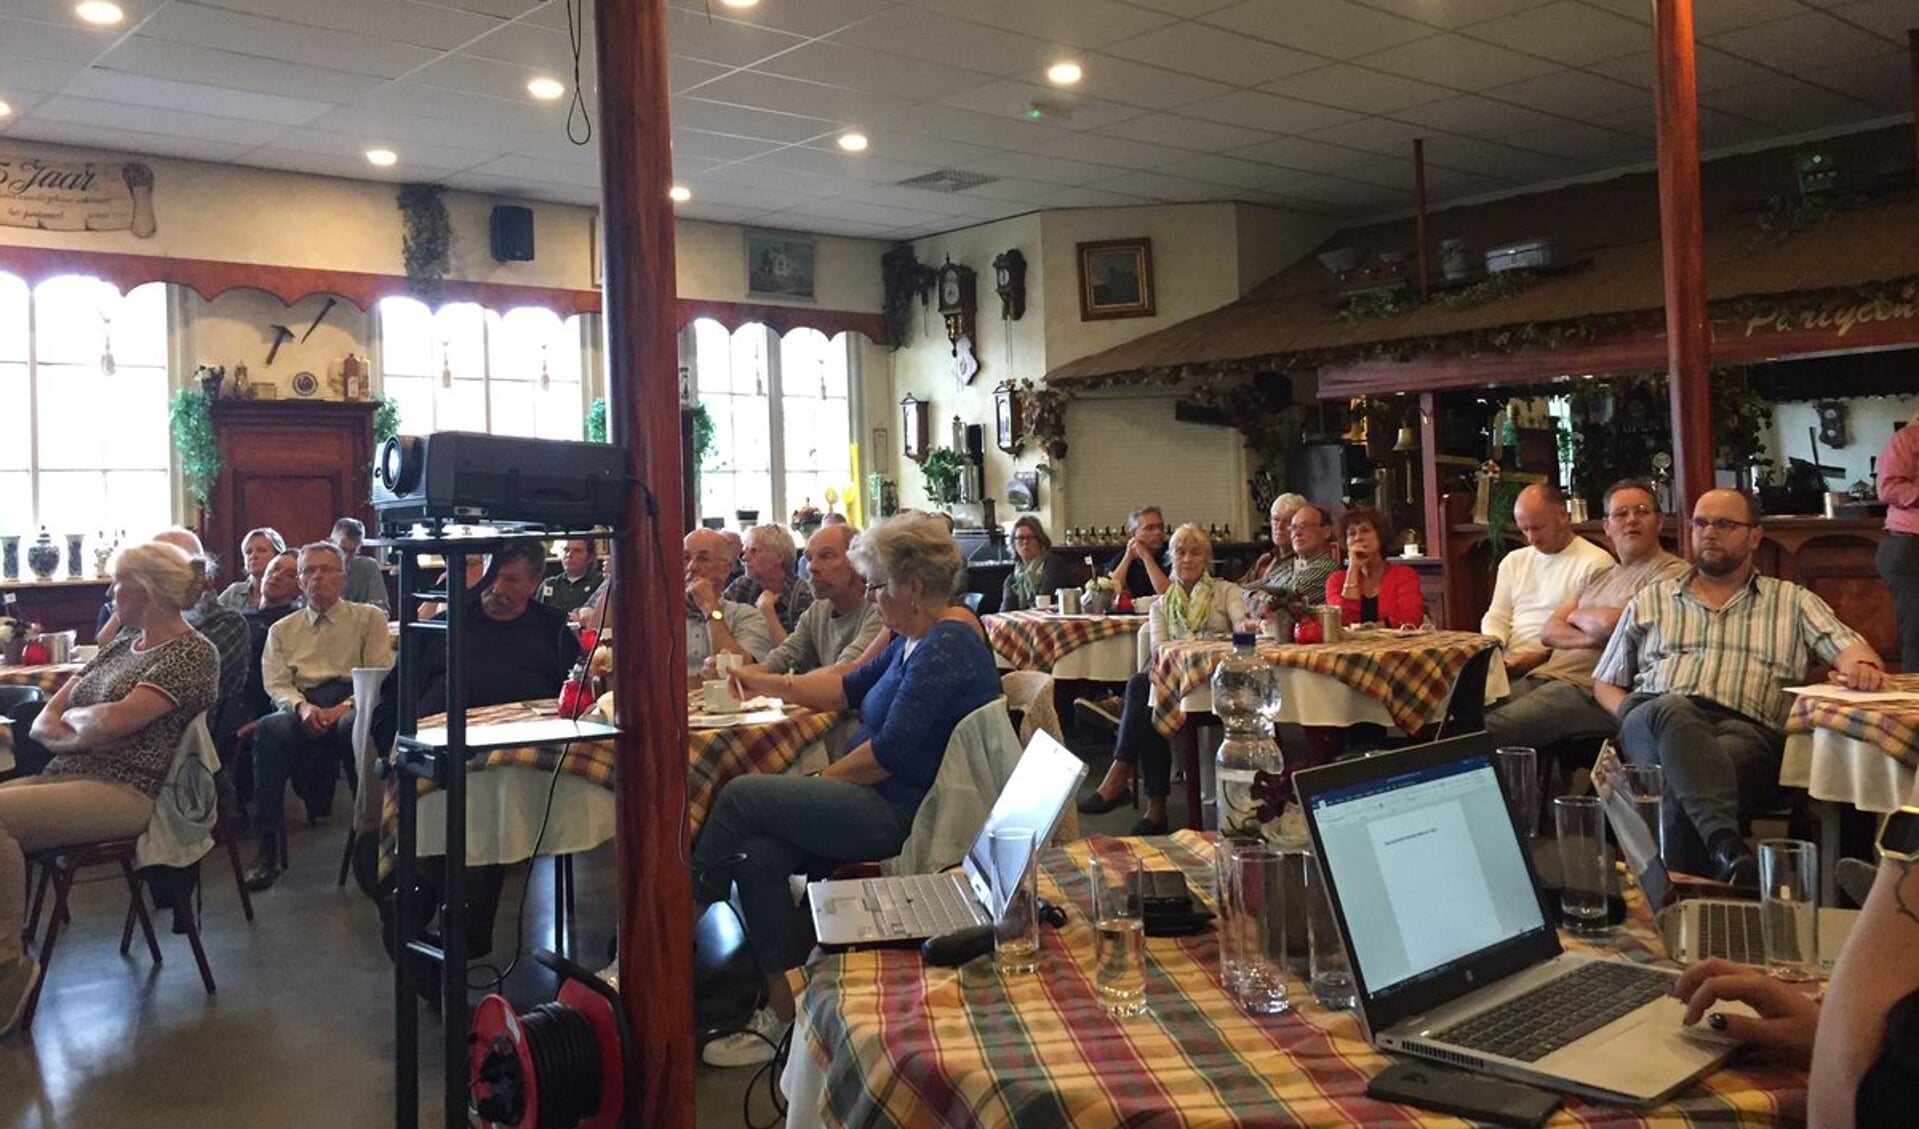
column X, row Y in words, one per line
column 61, row 605
column 295, row 465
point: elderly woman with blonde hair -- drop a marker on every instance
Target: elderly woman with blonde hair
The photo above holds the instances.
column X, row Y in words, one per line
column 771, row 584
column 910, row 697
column 1195, row 603
column 112, row 730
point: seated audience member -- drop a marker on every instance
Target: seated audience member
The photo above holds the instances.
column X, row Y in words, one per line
column 736, row 544
column 257, row 549
column 1897, row 477
column 1554, row 704
column 1034, row 573
column 579, row 575
column 714, row 624
column 1140, row 570
column 106, row 625
column 594, row 610
column 1279, row 524
column 365, row 583
column 112, row 730
column 1536, row 581
column 1194, row 603
column 837, row 627
column 764, row 828
column 475, row 570
column 1696, row 672
column 1863, row 1040
column 226, row 629
column 1301, row 576
column 772, row 584
column 279, row 597
column 307, row 670
column 1371, row 589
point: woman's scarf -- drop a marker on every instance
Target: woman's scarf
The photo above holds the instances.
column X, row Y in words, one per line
column 1188, row 611
column 1026, row 576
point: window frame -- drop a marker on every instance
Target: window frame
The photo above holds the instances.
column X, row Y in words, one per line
column 584, row 336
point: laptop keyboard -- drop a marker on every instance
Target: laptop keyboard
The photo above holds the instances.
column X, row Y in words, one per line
column 1731, row 930
column 1582, row 1001
column 920, row 905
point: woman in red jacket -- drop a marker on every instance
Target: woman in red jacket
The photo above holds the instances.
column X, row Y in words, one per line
column 1370, row 589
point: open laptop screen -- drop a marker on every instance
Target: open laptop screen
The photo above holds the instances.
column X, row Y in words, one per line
column 1035, row 796
column 1427, row 869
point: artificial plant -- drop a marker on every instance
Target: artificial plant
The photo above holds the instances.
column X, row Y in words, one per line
column 427, row 235
column 386, row 418
column 190, row 416
column 942, row 469
column 596, row 420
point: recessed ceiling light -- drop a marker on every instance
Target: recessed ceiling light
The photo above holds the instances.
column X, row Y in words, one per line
column 5, row 110
column 740, row 3
column 546, row 89
column 100, row 12
column 853, row 142
column 679, row 194
column 1063, row 74
column 381, row 157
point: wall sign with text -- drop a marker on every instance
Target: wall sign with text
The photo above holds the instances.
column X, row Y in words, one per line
column 76, row 195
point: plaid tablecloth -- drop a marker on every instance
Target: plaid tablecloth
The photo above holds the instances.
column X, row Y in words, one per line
column 1037, row 640
column 896, row 1043
column 1412, row 675
column 1891, row 728
column 47, row 676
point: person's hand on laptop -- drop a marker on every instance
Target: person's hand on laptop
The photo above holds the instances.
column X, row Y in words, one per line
column 1785, row 1017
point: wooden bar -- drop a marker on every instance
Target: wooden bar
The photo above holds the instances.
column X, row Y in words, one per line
column 1435, row 521
column 1682, row 231
column 1912, row 51
column 1419, row 216
column 655, row 890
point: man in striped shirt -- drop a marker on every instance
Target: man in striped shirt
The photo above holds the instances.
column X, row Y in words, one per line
column 1696, row 673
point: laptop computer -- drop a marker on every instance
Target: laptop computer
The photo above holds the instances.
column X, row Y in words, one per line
column 1692, row 929
column 913, row 907
column 1454, row 950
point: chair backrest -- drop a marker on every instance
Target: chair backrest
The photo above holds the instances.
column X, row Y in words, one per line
column 13, row 697
column 181, row 830
column 978, row 761
column 1466, row 709
column 1029, row 696
column 972, row 601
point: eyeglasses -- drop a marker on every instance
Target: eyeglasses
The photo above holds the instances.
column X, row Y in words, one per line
column 873, row 586
column 1017, row 537
column 1299, row 525
column 1631, row 511
column 320, row 570
column 1721, row 525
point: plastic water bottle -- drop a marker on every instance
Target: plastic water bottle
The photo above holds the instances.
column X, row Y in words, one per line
column 1245, row 699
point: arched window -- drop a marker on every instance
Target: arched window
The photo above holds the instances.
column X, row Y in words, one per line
column 467, row 368
column 83, row 392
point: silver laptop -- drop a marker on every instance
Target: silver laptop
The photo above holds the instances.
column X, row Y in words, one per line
column 912, row 907
column 1454, row 950
column 1693, row 929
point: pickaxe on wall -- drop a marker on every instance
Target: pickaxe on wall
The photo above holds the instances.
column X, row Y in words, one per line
column 281, row 335
column 318, row 318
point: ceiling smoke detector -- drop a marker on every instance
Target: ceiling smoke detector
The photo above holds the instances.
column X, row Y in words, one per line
column 948, row 181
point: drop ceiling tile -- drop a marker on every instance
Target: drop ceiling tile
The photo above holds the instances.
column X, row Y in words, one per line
column 1213, row 53
column 1081, row 197
column 341, row 165
column 825, row 225
column 1361, row 89
column 989, row 130
column 1786, row 104
column 124, row 141
column 1883, row 82
column 696, row 113
column 166, row 94
column 809, row 19
column 1226, row 170
column 1185, row 133
column 1723, row 131
column 464, row 112
column 1383, row 136
column 1009, row 189
column 1566, row 32
column 534, row 48
column 1571, row 94
column 1487, row 158
column 185, row 62
column 1335, row 29
column 153, row 119
column 468, row 75
column 1887, row 18
column 1592, row 145
column 717, row 40
column 855, row 69
column 393, row 128
column 860, row 211
column 511, row 9
column 21, row 101
column 851, row 168
column 1137, row 84
column 806, row 186
column 522, row 169
column 1187, row 8
column 1306, row 154
column 1040, row 166
column 1451, row 13
column 717, row 188
column 899, row 145
column 788, row 95
column 1344, row 193
column 402, row 21
column 1010, row 101
column 1158, row 186
column 1710, row 17
column 25, row 72
column 38, row 40
column 718, row 146
column 277, row 39
column 1075, row 23
column 918, row 34
column 1118, row 152
column 918, row 200
column 683, row 74
column 1474, row 116
column 698, row 209
column 1387, row 174
column 1452, row 184
column 413, row 154
column 1267, row 112
column 1799, row 42
column 1456, row 61
column 1714, row 70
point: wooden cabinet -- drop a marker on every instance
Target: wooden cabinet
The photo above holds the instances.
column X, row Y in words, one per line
column 290, row 464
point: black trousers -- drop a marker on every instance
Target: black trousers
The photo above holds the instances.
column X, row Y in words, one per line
column 283, row 750
column 1898, row 561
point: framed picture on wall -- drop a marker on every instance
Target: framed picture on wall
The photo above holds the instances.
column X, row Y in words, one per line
column 1006, row 418
column 914, row 416
column 1116, row 279
column 779, row 265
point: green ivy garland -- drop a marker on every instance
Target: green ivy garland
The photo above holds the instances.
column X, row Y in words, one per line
column 942, row 469
column 903, row 277
column 190, row 414
column 427, row 239
column 386, row 418
column 596, row 420
column 1505, row 284
column 1376, row 304
column 705, row 440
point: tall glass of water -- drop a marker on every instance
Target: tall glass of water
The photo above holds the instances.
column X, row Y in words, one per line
column 1259, row 877
column 1789, row 907
column 1015, row 898
column 1585, row 862
column 1119, row 956
column 1646, row 783
column 1331, row 972
column 1519, row 775
column 1225, row 905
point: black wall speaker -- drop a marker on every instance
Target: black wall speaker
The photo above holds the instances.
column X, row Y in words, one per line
column 512, row 233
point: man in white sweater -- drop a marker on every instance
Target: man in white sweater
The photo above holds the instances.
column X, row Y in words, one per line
column 1534, row 582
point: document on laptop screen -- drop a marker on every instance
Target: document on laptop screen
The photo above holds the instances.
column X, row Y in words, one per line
column 1428, row 869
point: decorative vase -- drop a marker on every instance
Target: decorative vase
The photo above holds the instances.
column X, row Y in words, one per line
column 102, row 553
column 43, row 556
column 76, row 549
column 10, row 557
column 1096, row 603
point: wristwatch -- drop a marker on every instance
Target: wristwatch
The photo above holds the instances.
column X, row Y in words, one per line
column 1899, row 835
column 716, row 615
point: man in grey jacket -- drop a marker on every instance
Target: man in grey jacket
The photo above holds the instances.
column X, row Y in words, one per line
column 840, row 622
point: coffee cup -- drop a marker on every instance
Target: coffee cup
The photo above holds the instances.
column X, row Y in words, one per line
column 719, row 697
column 1042, row 602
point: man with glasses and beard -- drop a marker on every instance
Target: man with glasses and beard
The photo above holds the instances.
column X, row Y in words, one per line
column 1696, row 672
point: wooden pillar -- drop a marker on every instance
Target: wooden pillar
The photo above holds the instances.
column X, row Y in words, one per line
column 1435, row 515
column 1682, row 234
column 1419, row 216
column 643, row 417
column 1912, row 51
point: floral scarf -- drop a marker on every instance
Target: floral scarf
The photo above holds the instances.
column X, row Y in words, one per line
column 1188, row 611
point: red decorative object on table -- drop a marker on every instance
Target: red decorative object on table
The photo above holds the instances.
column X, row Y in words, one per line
column 1308, row 631
column 1124, row 604
column 575, row 699
column 33, row 654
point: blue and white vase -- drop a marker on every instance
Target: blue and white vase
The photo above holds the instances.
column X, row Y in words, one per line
column 10, row 557
column 76, row 551
column 43, row 556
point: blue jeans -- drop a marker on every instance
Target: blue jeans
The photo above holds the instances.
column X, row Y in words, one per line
column 1138, row 743
column 1544, row 712
column 764, row 829
column 1717, row 761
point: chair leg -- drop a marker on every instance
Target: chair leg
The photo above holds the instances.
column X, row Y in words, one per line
column 61, row 875
column 140, row 910
column 346, row 859
column 39, row 902
column 564, row 935
column 239, row 875
column 189, row 914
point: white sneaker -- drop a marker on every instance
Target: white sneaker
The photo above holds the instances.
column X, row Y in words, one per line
column 756, row 1042
column 17, row 980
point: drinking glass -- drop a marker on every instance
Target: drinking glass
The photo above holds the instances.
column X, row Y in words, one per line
column 1789, row 907
column 1225, row 905
column 1015, row 900
column 1519, row 775
column 1259, row 878
column 1330, row 971
column 1585, row 862
column 1646, row 783
column 1119, row 956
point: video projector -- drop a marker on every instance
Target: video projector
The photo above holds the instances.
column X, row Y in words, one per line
column 468, row 477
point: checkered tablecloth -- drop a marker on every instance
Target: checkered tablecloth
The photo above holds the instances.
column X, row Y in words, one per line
column 1038, row 640
column 892, row 1042
column 1412, row 675
column 1892, row 728
column 47, row 676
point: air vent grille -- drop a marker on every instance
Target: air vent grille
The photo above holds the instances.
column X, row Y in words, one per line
column 947, row 180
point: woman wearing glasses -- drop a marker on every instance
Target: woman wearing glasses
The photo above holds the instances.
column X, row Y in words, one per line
column 1034, row 574
column 1371, row 589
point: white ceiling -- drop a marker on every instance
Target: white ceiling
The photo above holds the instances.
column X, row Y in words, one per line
column 1306, row 104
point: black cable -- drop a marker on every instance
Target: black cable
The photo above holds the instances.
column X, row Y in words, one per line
column 566, row 1062
column 771, row 1071
column 576, row 35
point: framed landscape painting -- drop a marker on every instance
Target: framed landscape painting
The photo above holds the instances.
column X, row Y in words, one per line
column 1116, row 279
column 779, row 265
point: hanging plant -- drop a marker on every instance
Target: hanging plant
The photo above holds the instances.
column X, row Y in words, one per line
column 705, row 440
column 427, row 238
column 1505, row 284
column 1376, row 304
column 596, row 420
column 902, row 277
column 1042, row 413
column 942, row 469
column 190, row 414
column 386, row 418
column 1741, row 420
